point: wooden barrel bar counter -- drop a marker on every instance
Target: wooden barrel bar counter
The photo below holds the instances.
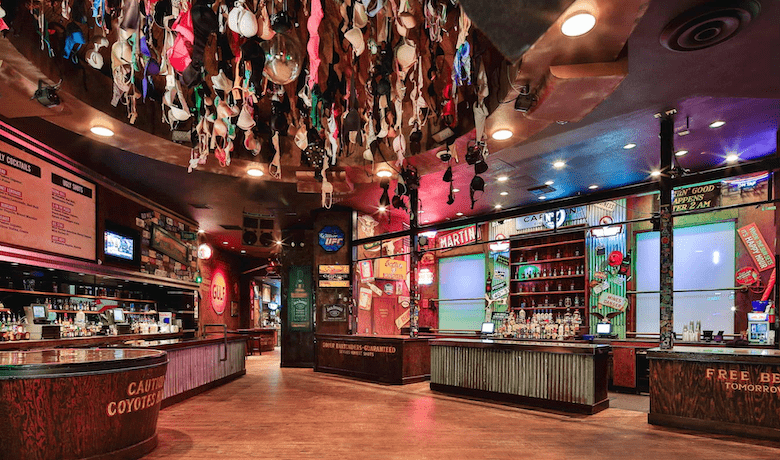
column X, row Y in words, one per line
column 73, row 403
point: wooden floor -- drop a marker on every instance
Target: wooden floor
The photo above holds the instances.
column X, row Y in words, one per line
column 278, row 413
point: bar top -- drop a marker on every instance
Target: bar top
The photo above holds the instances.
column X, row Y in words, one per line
column 172, row 344
column 522, row 345
column 742, row 355
column 70, row 361
column 75, row 342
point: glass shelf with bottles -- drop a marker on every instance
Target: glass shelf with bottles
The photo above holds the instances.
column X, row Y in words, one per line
column 542, row 325
column 557, row 303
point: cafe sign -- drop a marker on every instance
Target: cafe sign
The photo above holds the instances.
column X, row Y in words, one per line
column 696, row 197
column 391, row 269
column 757, row 247
column 747, row 276
column 457, row 237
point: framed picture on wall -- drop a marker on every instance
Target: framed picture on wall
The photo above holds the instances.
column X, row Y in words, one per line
column 266, row 293
column 233, row 308
column 168, row 244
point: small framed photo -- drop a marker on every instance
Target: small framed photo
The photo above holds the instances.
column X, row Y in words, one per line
column 233, row 308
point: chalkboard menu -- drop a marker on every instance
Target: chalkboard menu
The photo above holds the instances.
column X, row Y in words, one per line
column 300, row 302
column 45, row 207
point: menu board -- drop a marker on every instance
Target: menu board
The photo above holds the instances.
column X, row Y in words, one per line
column 44, row 207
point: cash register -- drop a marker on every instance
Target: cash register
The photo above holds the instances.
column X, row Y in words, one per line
column 116, row 317
column 38, row 324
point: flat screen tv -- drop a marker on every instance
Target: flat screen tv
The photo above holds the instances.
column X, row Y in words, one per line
column 121, row 245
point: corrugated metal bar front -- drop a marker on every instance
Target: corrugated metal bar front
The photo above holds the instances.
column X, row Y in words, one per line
column 190, row 368
column 554, row 376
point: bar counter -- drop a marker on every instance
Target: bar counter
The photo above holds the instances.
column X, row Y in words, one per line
column 197, row 365
column 84, row 342
column 720, row 390
column 393, row 359
column 562, row 376
column 76, row 403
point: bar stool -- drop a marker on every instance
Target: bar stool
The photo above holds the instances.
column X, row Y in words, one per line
column 253, row 344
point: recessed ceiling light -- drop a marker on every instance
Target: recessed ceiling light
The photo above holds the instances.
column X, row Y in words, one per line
column 425, row 221
column 502, row 134
column 243, row 251
column 504, row 193
column 458, row 214
column 254, row 172
column 455, row 190
column 278, row 242
column 101, row 131
column 421, row 211
column 382, row 209
column 655, row 173
column 384, row 173
column 578, row 24
column 201, row 231
column 549, row 182
column 542, row 197
column 593, row 187
column 680, row 153
column 498, row 206
column 732, row 157
column 225, row 242
column 717, row 124
column 502, row 178
column 559, row 164
column 629, row 146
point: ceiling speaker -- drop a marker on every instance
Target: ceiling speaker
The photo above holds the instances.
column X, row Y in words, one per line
column 266, row 239
column 249, row 238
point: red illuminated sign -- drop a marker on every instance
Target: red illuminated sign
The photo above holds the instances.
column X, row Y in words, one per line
column 218, row 293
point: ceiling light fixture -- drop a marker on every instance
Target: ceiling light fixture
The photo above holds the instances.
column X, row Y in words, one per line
column 680, row 153
column 629, row 146
column 503, row 178
column 549, row 182
column 254, row 172
column 559, row 164
column 243, row 251
column 502, row 134
column 101, row 131
column 593, row 187
column 384, row 173
column 458, row 214
column 498, row 206
column 578, row 24
column 655, row 173
column 504, row 193
column 382, row 208
column 717, row 124
column 456, row 190
column 732, row 157
column 542, row 197
column 201, row 231
column 225, row 243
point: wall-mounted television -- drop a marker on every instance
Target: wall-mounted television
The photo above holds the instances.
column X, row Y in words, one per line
column 121, row 245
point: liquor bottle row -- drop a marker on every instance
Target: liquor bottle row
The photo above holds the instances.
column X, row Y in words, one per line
column 546, row 304
column 530, row 272
column 549, row 254
column 542, row 325
column 550, row 287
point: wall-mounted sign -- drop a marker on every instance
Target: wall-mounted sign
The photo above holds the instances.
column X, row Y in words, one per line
column 300, row 298
column 218, row 292
column 696, row 197
column 204, row 252
column 331, row 238
column 165, row 242
column 334, row 313
column 613, row 301
column 425, row 277
column 457, row 237
column 403, row 319
column 333, row 276
column 747, row 276
column 44, row 207
column 552, row 219
column 391, row 269
column 364, row 299
column 757, row 247
column 427, row 259
column 500, row 246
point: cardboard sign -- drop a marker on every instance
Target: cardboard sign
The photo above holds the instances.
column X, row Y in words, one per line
column 364, row 300
column 366, row 268
column 757, row 247
column 613, row 301
column 403, row 319
column 332, row 276
column 391, row 269
column 747, row 276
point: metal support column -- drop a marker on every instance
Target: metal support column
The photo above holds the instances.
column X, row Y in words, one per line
column 414, row 294
column 666, row 226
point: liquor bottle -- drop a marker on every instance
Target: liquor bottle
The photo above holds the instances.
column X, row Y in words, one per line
column 536, row 256
column 558, row 254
